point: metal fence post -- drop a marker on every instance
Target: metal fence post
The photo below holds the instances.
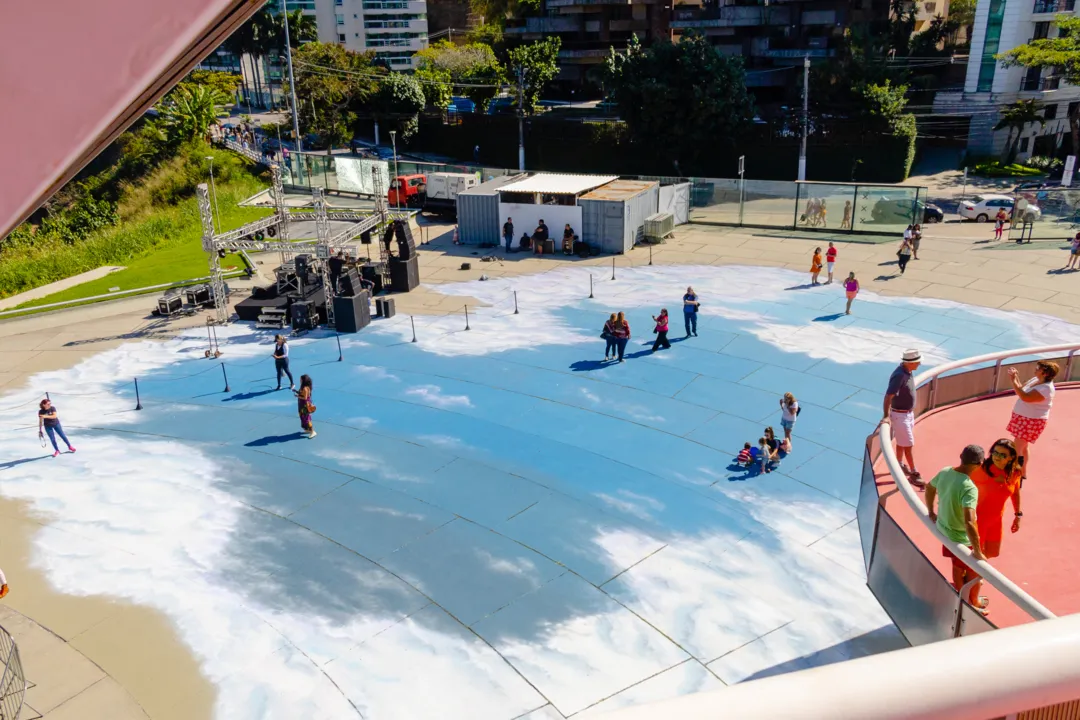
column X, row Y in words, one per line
column 997, row 376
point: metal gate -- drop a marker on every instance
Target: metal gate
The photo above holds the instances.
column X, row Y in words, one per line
column 12, row 680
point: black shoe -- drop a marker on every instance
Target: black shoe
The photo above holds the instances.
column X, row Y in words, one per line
column 695, row 334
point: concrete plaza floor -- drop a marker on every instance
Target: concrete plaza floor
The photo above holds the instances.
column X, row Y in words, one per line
column 94, row 657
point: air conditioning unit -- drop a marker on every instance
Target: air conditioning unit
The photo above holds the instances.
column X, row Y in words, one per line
column 658, row 226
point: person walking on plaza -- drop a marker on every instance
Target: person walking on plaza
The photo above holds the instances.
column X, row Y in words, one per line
column 1032, row 409
column 830, row 262
column 956, row 518
column 281, row 360
column 916, row 238
column 661, row 331
column 851, row 289
column 789, row 412
column 815, row 267
column 622, row 334
column 304, row 406
column 899, row 412
column 3, row 584
column 609, row 336
column 903, row 255
column 846, row 222
column 508, row 233
column 1074, row 254
column 49, row 421
column 999, row 223
column 690, row 305
column 998, row 480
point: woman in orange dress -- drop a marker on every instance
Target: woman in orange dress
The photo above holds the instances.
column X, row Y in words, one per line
column 998, row 480
column 815, row 267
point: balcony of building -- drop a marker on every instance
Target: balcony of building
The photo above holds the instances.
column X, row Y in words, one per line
column 412, row 43
column 688, row 17
column 793, row 48
column 543, row 25
column 552, row 4
column 374, row 7
column 1035, row 82
column 379, row 25
column 1052, row 7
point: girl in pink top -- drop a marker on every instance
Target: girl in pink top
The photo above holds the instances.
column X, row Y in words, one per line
column 661, row 331
column 851, row 289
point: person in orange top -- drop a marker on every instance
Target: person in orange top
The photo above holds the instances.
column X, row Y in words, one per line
column 998, row 480
column 815, row 267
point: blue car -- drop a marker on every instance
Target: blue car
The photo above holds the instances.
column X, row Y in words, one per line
column 462, row 105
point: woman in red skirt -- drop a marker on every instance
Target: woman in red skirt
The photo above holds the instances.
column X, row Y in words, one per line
column 1032, row 409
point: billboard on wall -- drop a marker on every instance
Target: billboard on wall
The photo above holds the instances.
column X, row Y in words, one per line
column 355, row 175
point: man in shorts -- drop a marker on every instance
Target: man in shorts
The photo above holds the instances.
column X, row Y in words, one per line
column 830, row 262
column 955, row 517
column 899, row 411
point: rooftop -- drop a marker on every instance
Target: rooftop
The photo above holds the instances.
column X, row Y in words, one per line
column 558, row 183
column 620, row 190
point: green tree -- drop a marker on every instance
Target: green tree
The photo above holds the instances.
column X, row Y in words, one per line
column 399, row 98
column 962, row 12
column 679, row 98
column 1061, row 53
column 884, row 113
column 1016, row 116
column 188, row 111
column 223, row 82
column 331, row 82
column 533, row 66
column 472, row 68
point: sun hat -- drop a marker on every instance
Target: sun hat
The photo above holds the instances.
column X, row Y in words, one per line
column 912, row 356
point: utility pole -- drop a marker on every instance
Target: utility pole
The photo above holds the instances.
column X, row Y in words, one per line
column 397, row 175
column 805, row 109
column 521, row 119
column 292, row 92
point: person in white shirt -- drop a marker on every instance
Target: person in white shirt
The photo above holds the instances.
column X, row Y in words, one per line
column 3, row 584
column 1032, row 409
column 789, row 411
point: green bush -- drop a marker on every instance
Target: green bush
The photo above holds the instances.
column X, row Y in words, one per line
column 1045, row 164
column 996, row 169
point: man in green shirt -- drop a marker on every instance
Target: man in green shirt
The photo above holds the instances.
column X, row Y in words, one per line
column 956, row 516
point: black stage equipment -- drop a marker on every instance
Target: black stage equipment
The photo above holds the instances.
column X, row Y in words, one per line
column 404, row 274
column 304, row 315
column 352, row 314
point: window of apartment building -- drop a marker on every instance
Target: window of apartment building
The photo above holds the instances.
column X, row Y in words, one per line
column 386, row 5
column 1051, row 111
column 341, row 38
column 988, row 65
column 1042, row 30
column 1024, row 144
column 338, row 3
column 340, row 19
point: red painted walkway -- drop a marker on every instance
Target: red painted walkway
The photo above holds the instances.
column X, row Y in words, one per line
column 1044, row 557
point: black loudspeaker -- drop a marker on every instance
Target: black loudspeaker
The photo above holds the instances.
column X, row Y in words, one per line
column 365, row 237
column 264, row 293
column 352, row 314
column 372, row 272
column 304, row 315
column 303, row 263
column 349, row 283
column 581, row 249
column 406, row 246
column 404, row 274
column 549, row 247
column 385, row 308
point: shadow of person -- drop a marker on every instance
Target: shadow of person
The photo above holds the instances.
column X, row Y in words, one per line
column 275, row 439
column 13, row 463
column 801, row 287
column 588, row 365
column 248, row 395
column 747, row 471
column 829, row 318
column 886, row 277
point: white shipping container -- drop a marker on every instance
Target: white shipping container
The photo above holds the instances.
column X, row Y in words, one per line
column 447, row 186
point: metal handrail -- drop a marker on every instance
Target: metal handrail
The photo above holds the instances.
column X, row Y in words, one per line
column 994, row 577
column 12, row 679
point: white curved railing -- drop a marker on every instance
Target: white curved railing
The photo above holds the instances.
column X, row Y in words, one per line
column 990, row 675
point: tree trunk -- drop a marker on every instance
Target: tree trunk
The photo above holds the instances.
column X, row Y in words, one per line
column 255, row 79
column 1011, row 146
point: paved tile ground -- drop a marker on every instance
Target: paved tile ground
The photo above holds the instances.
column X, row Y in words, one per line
column 120, row 641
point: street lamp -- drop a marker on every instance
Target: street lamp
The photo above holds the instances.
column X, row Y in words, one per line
column 397, row 175
column 213, row 188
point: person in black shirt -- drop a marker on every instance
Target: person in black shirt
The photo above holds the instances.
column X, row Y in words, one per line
column 541, row 231
column 50, row 422
column 568, row 240
column 281, row 360
column 336, row 264
column 508, row 233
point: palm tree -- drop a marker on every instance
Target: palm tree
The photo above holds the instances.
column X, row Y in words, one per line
column 1016, row 116
column 270, row 34
column 188, row 111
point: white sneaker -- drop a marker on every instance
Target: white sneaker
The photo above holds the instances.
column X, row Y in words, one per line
column 312, row 434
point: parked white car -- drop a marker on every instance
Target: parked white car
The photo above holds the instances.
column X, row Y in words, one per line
column 983, row 208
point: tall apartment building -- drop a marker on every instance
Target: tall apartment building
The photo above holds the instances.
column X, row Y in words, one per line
column 1000, row 26
column 774, row 34
column 589, row 28
column 392, row 29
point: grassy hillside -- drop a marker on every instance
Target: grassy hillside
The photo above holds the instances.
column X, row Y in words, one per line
column 156, row 237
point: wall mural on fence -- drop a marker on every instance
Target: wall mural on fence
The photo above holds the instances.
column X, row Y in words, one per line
column 495, row 521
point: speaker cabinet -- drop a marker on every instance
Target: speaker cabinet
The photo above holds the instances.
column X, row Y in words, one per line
column 404, row 274
column 372, row 272
column 304, row 315
column 385, row 308
column 349, row 283
column 352, row 314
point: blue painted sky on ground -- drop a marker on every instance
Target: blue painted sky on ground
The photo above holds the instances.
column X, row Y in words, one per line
column 493, row 522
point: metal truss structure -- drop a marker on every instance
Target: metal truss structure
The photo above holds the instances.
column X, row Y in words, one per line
column 271, row 234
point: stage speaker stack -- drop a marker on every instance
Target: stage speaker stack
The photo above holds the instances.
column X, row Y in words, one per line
column 352, row 314
column 303, row 264
column 406, row 246
column 385, row 308
column 404, row 274
column 304, row 315
column 372, row 272
column 349, row 283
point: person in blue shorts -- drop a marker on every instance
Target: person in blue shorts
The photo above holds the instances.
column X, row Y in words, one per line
column 690, row 307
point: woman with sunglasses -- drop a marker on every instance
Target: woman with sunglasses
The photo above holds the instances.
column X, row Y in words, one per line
column 998, row 480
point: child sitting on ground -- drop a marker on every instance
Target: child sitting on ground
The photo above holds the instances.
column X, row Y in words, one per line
column 746, row 456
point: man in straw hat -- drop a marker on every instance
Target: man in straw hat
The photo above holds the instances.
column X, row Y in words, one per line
column 899, row 411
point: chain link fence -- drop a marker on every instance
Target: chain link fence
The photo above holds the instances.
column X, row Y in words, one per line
column 12, row 680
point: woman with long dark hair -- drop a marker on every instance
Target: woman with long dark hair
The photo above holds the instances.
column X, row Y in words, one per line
column 49, row 422
column 622, row 334
column 609, row 337
column 661, row 331
column 998, row 481
column 304, row 405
